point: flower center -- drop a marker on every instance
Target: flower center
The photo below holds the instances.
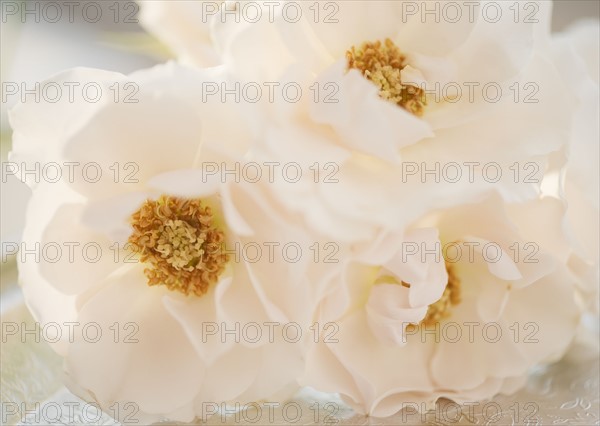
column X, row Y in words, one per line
column 442, row 308
column 180, row 242
column 382, row 63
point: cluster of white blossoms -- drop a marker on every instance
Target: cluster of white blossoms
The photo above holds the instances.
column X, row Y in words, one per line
column 385, row 206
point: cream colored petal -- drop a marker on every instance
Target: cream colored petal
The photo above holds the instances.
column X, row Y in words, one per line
column 183, row 26
column 389, row 313
column 355, row 351
column 150, row 361
column 547, row 326
column 74, row 258
column 131, row 142
column 46, row 303
column 187, row 183
column 363, row 120
column 41, row 126
column 111, row 216
column 277, row 273
column 485, row 350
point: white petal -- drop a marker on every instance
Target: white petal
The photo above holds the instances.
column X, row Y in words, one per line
column 188, row 183
column 161, row 371
column 183, row 26
column 388, row 313
column 111, row 216
column 499, row 262
column 365, row 121
column 41, row 128
column 44, row 301
column 74, row 258
column 140, row 140
column 547, row 325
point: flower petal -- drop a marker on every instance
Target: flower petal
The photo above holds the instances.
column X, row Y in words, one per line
column 151, row 361
column 365, row 121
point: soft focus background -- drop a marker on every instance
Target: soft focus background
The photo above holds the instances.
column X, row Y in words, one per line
column 33, row 51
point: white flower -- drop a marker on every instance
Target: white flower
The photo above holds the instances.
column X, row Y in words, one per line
column 387, row 100
column 368, row 36
column 576, row 55
column 493, row 97
column 405, row 284
column 183, row 26
column 377, row 127
column 508, row 306
column 155, row 278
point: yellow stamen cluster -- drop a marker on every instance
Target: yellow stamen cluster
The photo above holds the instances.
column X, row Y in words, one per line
column 179, row 240
column 451, row 296
column 382, row 64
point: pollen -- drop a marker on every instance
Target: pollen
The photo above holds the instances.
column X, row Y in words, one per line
column 451, row 297
column 180, row 242
column 442, row 308
column 382, row 64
